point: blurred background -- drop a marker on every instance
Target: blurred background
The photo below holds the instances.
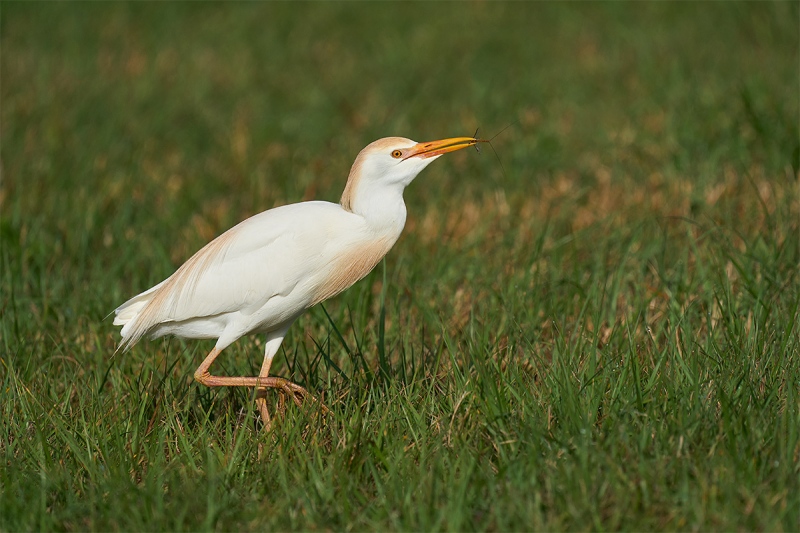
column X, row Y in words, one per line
column 143, row 130
column 134, row 133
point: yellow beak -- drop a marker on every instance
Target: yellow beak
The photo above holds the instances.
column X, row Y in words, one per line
column 432, row 148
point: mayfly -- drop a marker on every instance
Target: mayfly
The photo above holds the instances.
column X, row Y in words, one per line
column 478, row 144
column 478, row 148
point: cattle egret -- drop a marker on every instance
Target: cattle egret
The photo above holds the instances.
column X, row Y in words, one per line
column 263, row 273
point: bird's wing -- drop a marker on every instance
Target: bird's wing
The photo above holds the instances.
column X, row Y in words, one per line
column 268, row 254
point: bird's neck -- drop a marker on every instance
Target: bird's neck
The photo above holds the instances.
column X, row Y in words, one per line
column 381, row 206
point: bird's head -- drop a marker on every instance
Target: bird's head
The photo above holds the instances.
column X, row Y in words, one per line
column 393, row 162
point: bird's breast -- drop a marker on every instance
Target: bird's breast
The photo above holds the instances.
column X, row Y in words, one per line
column 352, row 264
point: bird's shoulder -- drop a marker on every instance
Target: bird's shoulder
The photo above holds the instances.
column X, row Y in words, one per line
column 297, row 223
column 296, row 216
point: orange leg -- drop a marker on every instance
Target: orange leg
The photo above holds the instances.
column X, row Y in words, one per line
column 274, row 341
column 262, row 382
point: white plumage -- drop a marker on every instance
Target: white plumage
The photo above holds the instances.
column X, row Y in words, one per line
column 263, row 273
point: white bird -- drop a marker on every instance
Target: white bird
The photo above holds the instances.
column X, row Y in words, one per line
column 263, row 273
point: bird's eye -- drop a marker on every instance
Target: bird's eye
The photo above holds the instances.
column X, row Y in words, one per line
column 397, row 154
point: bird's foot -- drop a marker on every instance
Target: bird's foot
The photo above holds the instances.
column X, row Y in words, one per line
column 285, row 388
column 297, row 394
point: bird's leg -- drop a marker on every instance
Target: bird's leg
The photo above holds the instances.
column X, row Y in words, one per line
column 271, row 348
column 262, row 382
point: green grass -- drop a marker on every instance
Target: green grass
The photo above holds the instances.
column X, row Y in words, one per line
column 604, row 336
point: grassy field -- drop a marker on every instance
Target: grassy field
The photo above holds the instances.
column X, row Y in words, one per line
column 600, row 334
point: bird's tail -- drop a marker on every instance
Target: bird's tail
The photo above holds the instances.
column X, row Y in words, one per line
column 127, row 315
